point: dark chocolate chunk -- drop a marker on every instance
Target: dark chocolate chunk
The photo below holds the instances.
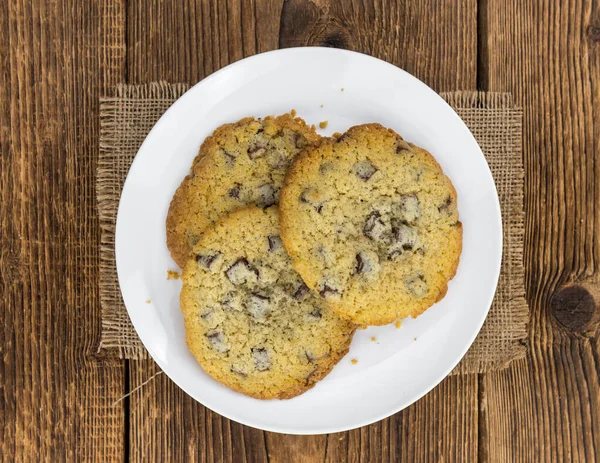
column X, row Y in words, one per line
column 405, row 238
column 218, row 341
column 235, row 191
column 275, row 243
column 267, row 195
column 409, row 208
column 238, row 371
column 315, row 315
column 366, row 263
column 300, row 292
column 207, row 260
column 261, row 358
column 364, row 169
column 375, row 228
column 258, row 150
column 445, row 207
column 258, row 305
column 326, row 291
column 402, row 146
column 230, row 158
column 241, row 272
column 305, row 198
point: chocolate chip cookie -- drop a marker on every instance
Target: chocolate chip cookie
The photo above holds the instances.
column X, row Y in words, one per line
column 371, row 224
column 241, row 164
column 250, row 320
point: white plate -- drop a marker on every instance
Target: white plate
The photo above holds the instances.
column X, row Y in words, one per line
column 344, row 88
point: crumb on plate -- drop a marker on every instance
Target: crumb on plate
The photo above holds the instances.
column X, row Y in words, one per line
column 354, row 361
column 415, row 339
column 323, row 124
column 293, row 113
column 148, row 301
column 398, row 324
column 373, row 339
column 172, row 275
column 321, row 106
column 342, row 89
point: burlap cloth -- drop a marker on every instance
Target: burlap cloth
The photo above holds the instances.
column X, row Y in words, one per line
column 128, row 115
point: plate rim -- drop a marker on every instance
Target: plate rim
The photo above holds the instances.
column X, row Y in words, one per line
column 403, row 404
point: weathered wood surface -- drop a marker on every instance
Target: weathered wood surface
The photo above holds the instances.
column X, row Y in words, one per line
column 56, row 58
column 56, row 396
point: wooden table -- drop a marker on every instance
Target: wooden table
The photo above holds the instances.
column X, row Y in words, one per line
column 57, row 57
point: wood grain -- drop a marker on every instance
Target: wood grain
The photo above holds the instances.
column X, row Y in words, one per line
column 547, row 54
column 438, row 43
column 55, row 396
column 57, row 58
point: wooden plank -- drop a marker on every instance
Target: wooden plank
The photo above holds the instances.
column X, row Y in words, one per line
column 184, row 42
column 55, row 396
column 547, row 53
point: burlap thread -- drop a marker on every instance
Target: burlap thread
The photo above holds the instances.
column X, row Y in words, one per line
column 127, row 116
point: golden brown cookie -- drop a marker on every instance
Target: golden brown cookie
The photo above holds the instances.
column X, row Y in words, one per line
column 250, row 320
column 241, row 164
column 371, row 224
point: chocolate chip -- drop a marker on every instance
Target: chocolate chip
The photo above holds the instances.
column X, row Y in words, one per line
column 275, row 243
column 230, row 158
column 364, row 169
column 235, row 191
column 405, row 239
column 308, row 196
column 409, row 208
column 238, row 371
column 316, row 314
column 231, row 302
column 257, row 151
column 241, row 272
column 309, row 356
column 417, row 286
column 258, row 305
column 261, row 129
column 375, row 228
column 206, row 315
column 218, row 341
column 445, row 207
column 267, row 195
column 342, row 137
column 367, row 263
column 402, row 146
column 327, row 291
column 261, row 358
column 300, row 292
column 207, row 260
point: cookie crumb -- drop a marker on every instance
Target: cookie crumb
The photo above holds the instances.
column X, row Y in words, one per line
column 373, row 339
column 415, row 339
column 293, row 113
column 172, row 275
column 323, row 124
column 354, row 361
column 321, row 106
column 342, row 89
column 398, row 324
column 148, row 301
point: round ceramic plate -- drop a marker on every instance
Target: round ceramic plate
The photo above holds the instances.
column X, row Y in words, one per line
column 344, row 88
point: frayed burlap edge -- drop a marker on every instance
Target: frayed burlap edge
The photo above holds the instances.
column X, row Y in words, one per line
column 497, row 125
column 125, row 120
column 128, row 115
